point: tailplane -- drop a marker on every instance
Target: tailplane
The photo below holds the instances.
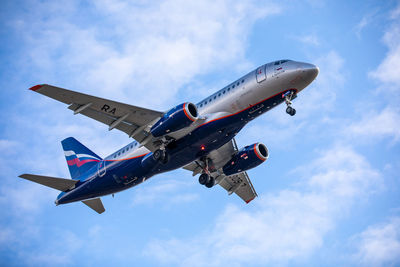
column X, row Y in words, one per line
column 79, row 158
column 53, row 182
column 95, row 204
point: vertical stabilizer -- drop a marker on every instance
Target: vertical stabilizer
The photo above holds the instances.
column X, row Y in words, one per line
column 79, row 158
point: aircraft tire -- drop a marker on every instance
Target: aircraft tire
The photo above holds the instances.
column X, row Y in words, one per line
column 293, row 112
column 203, row 179
column 211, row 182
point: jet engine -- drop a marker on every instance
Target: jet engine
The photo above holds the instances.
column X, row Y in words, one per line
column 175, row 119
column 247, row 158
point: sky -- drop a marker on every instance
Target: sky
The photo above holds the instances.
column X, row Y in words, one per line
column 329, row 194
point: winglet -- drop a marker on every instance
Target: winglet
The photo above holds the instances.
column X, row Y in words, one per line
column 36, row 87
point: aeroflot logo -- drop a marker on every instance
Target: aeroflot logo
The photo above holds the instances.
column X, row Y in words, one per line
column 79, row 159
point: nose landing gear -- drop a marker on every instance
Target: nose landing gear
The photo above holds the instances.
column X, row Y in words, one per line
column 289, row 96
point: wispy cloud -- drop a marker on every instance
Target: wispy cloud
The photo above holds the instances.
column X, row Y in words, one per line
column 167, row 193
column 308, row 39
column 376, row 125
column 282, row 227
column 379, row 245
column 161, row 46
column 388, row 72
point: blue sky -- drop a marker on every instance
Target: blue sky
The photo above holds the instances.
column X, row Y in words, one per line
column 328, row 195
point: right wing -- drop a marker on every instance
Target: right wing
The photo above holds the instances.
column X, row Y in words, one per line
column 132, row 120
column 239, row 184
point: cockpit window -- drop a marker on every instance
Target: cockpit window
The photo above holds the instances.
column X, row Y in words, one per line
column 281, row 61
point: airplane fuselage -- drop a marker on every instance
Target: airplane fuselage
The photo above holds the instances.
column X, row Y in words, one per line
column 222, row 116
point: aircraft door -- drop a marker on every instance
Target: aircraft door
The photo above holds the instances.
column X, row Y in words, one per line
column 261, row 74
column 101, row 168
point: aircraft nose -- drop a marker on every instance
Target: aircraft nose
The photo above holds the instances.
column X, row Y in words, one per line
column 309, row 72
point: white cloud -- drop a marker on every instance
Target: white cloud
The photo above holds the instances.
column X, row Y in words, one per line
column 283, row 227
column 364, row 22
column 379, row 245
column 388, row 72
column 166, row 192
column 375, row 125
column 308, row 39
column 146, row 51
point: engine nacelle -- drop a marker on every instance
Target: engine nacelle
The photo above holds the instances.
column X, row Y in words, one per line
column 175, row 119
column 246, row 159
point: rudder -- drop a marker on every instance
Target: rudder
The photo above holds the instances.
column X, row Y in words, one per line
column 79, row 158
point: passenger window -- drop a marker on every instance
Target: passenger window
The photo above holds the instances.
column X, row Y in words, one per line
column 219, row 94
column 276, row 63
column 119, row 153
column 123, row 151
column 201, row 105
column 223, row 92
column 215, row 97
column 243, row 81
column 115, row 156
column 237, row 84
column 229, row 89
column 233, row 86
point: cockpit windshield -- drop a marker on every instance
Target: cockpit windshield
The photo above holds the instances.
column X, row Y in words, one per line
column 281, row 61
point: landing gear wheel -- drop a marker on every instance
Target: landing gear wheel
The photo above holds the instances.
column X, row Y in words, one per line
column 291, row 111
column 157, row 155
column 211, row 182
column 203, row 179
column 161, row 156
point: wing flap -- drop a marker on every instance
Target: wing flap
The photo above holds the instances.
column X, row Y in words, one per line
column 61, row 184
column 239, row 184
column 95, row 204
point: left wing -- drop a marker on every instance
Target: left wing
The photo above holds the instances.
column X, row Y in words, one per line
column 239, row 184
column 132, row 120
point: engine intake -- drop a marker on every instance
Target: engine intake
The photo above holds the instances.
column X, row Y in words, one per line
column 246, row 159
column 175, row 119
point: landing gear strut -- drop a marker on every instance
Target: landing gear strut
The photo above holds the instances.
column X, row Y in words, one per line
column 288, row 100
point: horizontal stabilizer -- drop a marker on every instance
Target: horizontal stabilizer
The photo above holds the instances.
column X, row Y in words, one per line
column 95, row 204
column 61, row 184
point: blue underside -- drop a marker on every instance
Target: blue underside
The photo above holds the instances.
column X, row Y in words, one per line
column 124, row 174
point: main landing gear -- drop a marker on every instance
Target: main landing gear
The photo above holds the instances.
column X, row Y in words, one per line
column 161, row 156
column 288, row 100
column 207, row 180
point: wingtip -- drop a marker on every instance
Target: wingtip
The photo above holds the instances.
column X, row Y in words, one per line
column 248, row 201
column 36, row 87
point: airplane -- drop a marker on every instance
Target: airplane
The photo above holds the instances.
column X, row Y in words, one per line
column 196, row 137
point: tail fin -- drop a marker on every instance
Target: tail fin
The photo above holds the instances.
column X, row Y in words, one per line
column 79, row 158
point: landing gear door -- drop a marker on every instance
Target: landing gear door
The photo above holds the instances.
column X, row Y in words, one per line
column 260, row 74
column 101, row 168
